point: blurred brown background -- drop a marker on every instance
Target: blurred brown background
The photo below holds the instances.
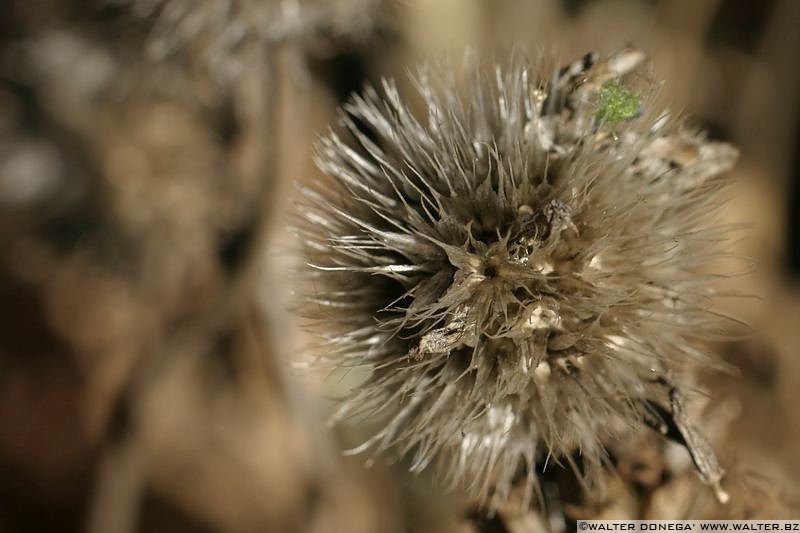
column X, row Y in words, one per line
column 148, row 150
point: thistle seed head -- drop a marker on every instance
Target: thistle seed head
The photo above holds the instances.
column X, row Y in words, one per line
column 520, row 281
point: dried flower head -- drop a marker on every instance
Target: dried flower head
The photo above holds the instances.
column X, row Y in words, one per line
column 230, row 34
column 521, row 281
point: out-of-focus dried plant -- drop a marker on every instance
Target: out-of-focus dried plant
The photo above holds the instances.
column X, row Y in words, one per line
column 137, row 196
column 233, row 36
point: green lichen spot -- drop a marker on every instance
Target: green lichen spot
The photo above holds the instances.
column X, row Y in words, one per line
column 617, row 103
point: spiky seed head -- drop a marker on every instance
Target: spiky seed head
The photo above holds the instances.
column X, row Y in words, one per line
column 520, row 282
